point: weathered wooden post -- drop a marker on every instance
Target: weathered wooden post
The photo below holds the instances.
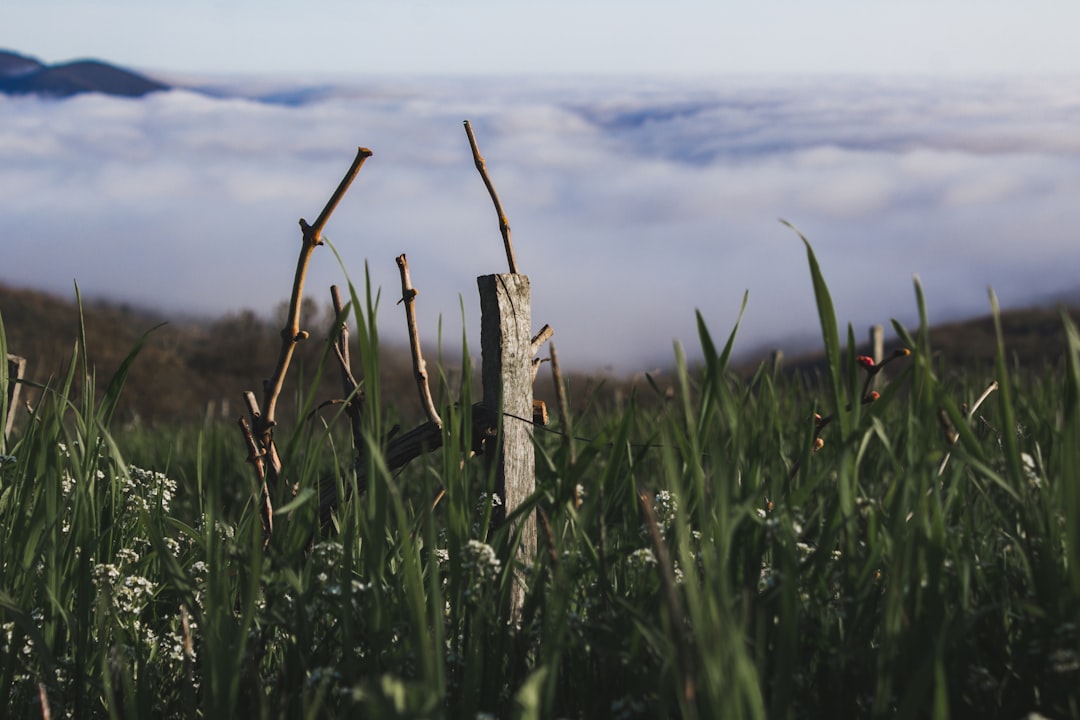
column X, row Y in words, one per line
column 507, row 352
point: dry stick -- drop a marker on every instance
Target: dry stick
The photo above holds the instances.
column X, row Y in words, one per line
column 43, row 700
column 504, row 225
column 16, row 370
column 255, row 457
column 671, row 598
column 408, row 296
column 354, row 404
column 560, row 403
column 291, row 334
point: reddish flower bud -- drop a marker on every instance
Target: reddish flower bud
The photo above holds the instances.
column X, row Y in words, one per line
column 866, row 361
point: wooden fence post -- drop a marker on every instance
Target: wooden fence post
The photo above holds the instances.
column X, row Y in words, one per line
column 506, row 350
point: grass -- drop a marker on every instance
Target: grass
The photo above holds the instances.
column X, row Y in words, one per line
column 698, row 557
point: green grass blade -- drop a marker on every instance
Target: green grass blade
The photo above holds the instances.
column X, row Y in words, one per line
column 830, row 335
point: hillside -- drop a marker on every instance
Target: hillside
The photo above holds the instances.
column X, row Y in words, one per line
column 21, row 75
column 191, row 369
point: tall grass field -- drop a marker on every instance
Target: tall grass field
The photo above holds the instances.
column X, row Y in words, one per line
column 768, row 547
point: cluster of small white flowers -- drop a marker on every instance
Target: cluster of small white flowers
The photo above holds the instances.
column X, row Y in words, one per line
column 494, row 500
column 665, row 508
column 67, row 481
column 105, row 574
column 133, row 594
column 481, row 566
column 127, row 556
column 144, row 489
column 642, row 558
column 176, row 649
column 7, row 633
column 479, row 559
column 198, row 570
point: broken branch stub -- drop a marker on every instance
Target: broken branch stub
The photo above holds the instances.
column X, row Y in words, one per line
column 408, row 297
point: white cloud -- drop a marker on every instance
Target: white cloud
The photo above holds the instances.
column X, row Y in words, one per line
column 631, row 202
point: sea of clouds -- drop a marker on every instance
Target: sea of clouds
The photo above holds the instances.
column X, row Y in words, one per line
column 632, row 201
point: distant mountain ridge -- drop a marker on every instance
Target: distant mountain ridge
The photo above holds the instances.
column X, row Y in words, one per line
column 23, row 75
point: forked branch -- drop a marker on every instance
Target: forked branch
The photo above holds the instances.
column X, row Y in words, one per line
column 291, row 334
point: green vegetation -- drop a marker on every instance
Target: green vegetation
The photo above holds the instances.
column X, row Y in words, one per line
column 698, row 556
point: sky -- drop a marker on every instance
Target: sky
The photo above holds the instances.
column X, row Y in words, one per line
column 644, row 160
column 554, row 36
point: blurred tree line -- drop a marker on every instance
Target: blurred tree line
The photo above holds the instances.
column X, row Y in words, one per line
column 193, row 369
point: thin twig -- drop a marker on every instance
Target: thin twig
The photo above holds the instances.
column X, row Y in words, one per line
column 255, row 457
column 16, row 367
column 560, row 403
column 504, row 224
column 408, row 297
column 355, row 396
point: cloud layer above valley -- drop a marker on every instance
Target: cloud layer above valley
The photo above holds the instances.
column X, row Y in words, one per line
column 632, row 201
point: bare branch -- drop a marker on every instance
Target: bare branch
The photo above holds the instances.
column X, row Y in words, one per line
column 408, row 297
column 504, row 224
